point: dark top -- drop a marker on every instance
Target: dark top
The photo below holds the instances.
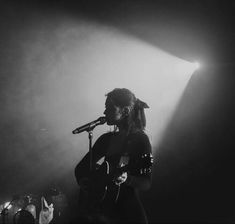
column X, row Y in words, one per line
column 128, row 207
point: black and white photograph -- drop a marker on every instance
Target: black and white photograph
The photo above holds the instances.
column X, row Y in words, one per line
column 117, row 111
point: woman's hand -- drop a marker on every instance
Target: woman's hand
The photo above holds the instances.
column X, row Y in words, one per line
column 121, row 179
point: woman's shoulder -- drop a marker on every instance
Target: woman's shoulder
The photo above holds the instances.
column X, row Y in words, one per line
column 139, row 143
column 139, row 135
column 140, row 138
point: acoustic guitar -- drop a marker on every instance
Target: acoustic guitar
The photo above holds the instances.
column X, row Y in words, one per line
column 101, row 188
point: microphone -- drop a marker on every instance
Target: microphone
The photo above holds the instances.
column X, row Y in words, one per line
column 90, row 125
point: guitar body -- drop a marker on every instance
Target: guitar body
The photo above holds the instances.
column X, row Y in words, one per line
column 102, row 191
column 93, row 196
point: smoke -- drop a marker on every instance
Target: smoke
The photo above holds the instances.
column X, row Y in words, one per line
column 55, row 74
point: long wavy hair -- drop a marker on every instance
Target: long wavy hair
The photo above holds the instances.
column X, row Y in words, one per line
column 135, row 120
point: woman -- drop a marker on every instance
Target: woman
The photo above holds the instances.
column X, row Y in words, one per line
column 126, row 145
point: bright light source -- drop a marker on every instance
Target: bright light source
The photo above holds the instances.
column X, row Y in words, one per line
column 196, row 65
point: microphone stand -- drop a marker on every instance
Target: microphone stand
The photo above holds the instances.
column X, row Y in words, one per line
column 90, row 136
column 89, row 128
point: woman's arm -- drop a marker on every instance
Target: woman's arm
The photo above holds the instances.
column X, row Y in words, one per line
column 141, row 146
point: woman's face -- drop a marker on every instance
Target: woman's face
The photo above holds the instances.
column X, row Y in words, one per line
column 112, row 112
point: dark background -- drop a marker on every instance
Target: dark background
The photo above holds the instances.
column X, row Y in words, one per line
column 194, row 164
